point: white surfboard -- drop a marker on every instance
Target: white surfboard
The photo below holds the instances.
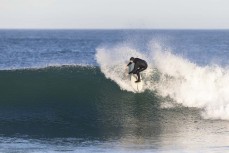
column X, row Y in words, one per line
column 133, row 77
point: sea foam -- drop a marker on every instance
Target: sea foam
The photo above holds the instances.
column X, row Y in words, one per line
column 188, row 84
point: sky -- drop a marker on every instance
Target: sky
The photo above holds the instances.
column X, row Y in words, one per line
column 114, row 14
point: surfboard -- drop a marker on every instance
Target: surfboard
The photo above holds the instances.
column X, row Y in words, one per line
column 133, row 77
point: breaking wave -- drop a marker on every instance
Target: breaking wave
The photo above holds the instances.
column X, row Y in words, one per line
column 170, row 75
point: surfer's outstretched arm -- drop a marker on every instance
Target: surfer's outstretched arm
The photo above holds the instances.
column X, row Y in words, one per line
column 129, row 63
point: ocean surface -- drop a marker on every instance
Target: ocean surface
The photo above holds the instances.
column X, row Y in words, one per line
column 69, row 91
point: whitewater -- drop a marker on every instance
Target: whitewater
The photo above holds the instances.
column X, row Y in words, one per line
column 170, row 75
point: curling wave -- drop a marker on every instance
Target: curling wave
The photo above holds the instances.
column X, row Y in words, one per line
column 171, row 76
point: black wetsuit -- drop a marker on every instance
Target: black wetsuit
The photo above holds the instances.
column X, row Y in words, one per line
column 139, row 65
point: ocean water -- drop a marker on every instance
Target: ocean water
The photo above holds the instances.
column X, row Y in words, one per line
column 68, row 91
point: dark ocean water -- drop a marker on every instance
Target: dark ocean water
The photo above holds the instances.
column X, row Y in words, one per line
column 66, row 91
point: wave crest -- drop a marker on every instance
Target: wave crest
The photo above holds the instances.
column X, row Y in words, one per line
column 171, row 76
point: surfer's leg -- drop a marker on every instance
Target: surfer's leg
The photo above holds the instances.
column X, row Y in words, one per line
column 138, row 74
column 142, row 69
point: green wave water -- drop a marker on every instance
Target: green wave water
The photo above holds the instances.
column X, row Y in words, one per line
column 64, row 101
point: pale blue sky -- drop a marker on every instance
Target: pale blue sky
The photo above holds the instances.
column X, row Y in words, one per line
column 84, row 14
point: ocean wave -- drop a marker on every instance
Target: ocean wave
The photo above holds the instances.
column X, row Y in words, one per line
column 46, row 66
column 170, row 75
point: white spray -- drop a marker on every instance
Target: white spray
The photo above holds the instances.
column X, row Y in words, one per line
column 188, row 84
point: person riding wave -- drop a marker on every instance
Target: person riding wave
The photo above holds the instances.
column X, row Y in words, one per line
column 139, row 66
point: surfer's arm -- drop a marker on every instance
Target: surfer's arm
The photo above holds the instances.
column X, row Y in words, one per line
column 129, row 63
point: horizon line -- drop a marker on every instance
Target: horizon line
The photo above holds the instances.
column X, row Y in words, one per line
column 114, row 28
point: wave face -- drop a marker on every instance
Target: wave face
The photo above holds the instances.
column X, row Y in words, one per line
column 66, row 101
column 170, row 75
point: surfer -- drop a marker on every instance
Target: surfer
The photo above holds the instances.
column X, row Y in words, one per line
column 139, row 66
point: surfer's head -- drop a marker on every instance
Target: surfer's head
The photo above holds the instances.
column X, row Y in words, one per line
column 131, row 59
